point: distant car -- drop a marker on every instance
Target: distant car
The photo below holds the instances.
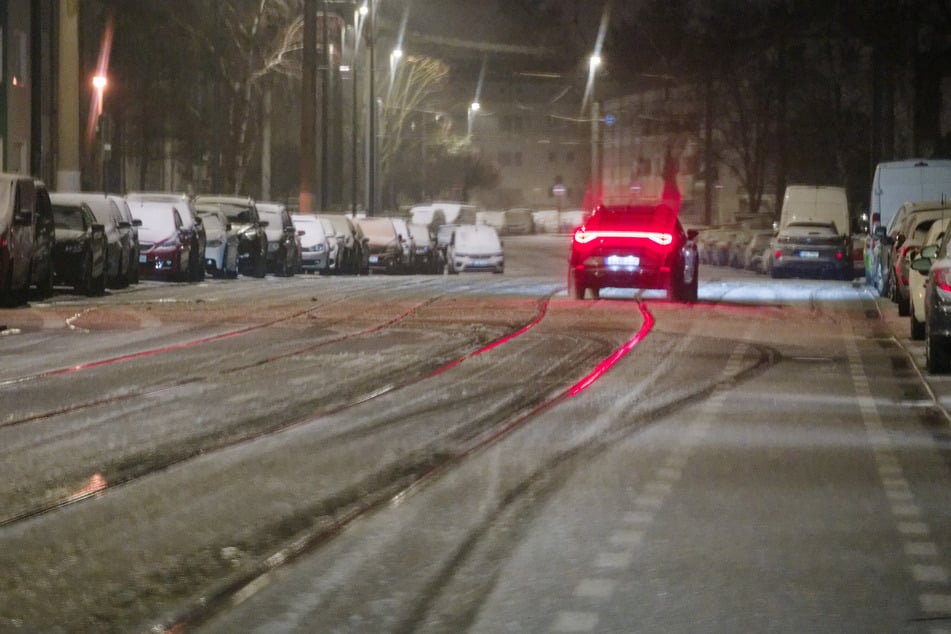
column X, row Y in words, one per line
column 282, row 246
column 242, row 213
column 633, row 246
column 221, row 243
column 130, row 231
column 757, row 250
column 108, row 215
column 192, row 226
column 910, row 240
column 426, row 255
column 918, row 276
column 385, row 250
column 165, row 241
column 407, row 243
column 315, row 246
column 937, row 306
column 475, row 248
column 348, row 251
column 44, row 241
column 79, row 255
column 811, row 249
column 518, row 222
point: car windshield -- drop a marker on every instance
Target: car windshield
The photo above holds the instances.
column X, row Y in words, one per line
column 477, row 239
column 212, row 223
column 810, row 229
column 420, row 233
column 378, row 229
column 65, row 217
column 157, row 220
column 273, row 219
column 236, row 213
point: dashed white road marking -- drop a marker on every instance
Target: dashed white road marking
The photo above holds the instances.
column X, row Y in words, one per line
column 929, row 574
column 595, row 588
column 615, row 560
column 575, row 622
column 921, row 549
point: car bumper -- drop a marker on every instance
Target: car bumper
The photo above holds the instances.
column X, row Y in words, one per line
column 314, row 261
column 463, row 263
column 808, row 267
column 624, row 277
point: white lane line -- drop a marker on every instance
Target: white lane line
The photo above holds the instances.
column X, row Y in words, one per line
column 904, row 508
column 626, row 538
column 638, row 517
column 575, row 622
column 615, row 560
column 595, row 588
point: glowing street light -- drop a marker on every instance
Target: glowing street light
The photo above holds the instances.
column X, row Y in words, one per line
column 594, row 63
column 475, row 106
column 99, row 82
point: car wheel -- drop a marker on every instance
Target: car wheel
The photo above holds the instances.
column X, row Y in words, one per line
column 917, row 327
column 903, row 304
column 937, row 359
column 45, row 286
column 260, row 267
column 575, row 287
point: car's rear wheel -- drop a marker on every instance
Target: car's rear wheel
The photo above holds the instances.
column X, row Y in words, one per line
column 575, row 286
column 937, row 357
column 917, row 327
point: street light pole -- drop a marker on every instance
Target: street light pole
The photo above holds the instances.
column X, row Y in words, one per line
column 371, row 112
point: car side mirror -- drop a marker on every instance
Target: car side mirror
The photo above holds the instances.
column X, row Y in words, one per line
column 228, row 227
column 263, row 224
column 125, row 225
column 198, row 221
column 289, row 231
column 136, row 222
column 880, row 232
column 98, row 229
column 692, row 234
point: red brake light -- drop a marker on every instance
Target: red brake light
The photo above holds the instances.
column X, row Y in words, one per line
column 663, row 239
column 942, row 279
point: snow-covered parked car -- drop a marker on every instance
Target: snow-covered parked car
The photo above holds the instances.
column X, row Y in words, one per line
column 475, row 248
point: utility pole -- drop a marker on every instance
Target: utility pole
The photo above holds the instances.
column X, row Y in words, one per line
column 324, row 111
column 308, row 108
column 372, row 112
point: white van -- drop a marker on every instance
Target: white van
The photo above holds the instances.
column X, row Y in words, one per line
column 896, row 183
column 815, row 204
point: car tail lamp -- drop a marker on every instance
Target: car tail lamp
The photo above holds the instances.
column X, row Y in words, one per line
column 583, row 236
column 942, row 277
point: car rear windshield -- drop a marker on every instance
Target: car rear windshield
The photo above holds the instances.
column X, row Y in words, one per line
column 239, row 214
column 157, row 218
column 378, row 229
column 212, row 223
column 645, row 217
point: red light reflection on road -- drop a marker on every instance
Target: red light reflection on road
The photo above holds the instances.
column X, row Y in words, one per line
column 618, row 354
column 97, row 484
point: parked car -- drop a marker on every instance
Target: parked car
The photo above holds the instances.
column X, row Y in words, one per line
column 918, row 276
column 385, row 250
column 221, row 242
column 814, row 249
column 519, row 222
column 191, row 224
column 108, row 215
column 79, row 254
column 937, row 306
column 757, row 250
column 737, row 254
column 426, row 256
column 910, row 242
column 17, row 230
column 633, row 246
column 407, row 243
column 242, row 213
column 130, row 234
column 475, row 248
column 283, row 254
column 315, row 246
column 347, row 257
column 165, row 242
column 334, row 242
column 44, row 241
column 363, row 248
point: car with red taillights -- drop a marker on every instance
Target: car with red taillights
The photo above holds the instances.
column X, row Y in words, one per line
column 633, row 246
column 937, row 306
column 164, row 240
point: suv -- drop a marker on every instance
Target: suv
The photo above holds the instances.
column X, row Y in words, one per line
column 283, row 254
column 191, row 225
column 242, row 213
column 633, row 246
column 18, row 232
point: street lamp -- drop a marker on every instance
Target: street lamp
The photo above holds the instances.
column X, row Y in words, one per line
column 474, row 108
column 99, row 83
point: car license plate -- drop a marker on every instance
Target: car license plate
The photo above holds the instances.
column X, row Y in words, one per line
column 143, row 259
column 480, row 263
column 373, row 259
column 809, row 254
column 622, row 260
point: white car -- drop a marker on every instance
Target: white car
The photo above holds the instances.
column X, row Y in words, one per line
column 475, row 248
column 315, row 246
column 917, row 278
column 221, row 243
